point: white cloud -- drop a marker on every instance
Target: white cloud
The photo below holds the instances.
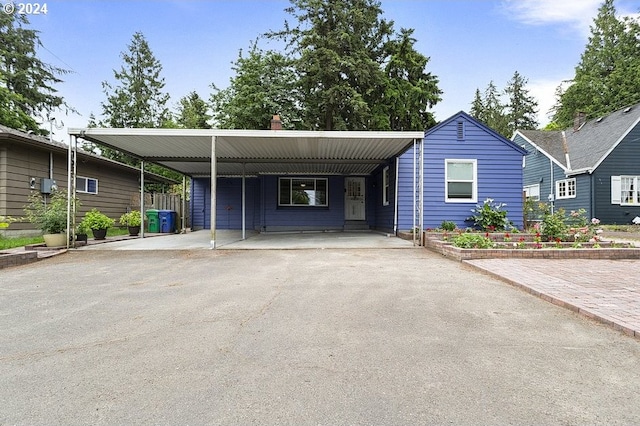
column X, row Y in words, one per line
column 578, row 14
column 544, row 92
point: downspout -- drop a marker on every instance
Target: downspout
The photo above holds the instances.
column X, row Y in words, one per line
column 421, row 188
column 184, row 204
column 413, row 228
column 69, row 194
column 552, row 185
column 395, row 202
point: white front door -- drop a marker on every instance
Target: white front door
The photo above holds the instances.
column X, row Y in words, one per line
column 354, row 199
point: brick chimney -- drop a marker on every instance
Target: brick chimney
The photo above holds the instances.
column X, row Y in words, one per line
column 579, row 119
column 276, row 123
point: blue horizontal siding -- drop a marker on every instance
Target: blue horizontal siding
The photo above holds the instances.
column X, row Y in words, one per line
column 499, row 174
column 228, row 203
column 623, row 160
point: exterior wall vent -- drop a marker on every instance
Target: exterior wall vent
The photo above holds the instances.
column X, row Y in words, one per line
column 460, row 130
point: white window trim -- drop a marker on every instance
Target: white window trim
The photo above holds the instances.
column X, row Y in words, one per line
column 566, row 181
column 385, row 186
column 84, row 190
column 527, row 190
column 635, row 193
column 303, row 205
column 474, row 198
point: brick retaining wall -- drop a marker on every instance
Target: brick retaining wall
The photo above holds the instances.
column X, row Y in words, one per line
column 8, row 259
column 444, row 247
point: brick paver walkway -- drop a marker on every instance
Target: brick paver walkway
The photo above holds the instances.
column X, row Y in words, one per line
column 605, row 290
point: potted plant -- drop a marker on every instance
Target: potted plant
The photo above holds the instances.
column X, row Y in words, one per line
column 49, row 216
column 98, row 223
column 132, row 220
column 82, row 231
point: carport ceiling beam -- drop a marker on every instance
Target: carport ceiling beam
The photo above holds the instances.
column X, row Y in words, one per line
column 267, row 160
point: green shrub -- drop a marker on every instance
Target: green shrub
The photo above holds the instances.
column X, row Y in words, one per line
column 131, row 218
column 469, row 240
column 448, row 225
column 489, row 216
column 94, row 219
column 50, row 217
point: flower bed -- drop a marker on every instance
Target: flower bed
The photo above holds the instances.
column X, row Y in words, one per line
column 527, row 246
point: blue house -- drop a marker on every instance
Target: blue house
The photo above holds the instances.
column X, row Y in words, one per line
column 458, row 164
column 281, row 180
column 595, row 165
column 464, row 163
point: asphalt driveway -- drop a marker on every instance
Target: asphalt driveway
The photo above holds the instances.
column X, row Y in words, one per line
column 290, row 337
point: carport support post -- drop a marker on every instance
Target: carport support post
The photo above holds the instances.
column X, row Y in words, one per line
column 244, row 204
column 184, row 204
column 142, row 213
column 214, row 178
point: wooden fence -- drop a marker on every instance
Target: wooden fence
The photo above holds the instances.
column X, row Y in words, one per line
column 160, row 201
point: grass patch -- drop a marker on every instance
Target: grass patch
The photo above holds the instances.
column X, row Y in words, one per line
column 13, row 242
column 116, row 231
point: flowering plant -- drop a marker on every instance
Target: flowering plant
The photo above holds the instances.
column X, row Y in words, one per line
column 489, row 216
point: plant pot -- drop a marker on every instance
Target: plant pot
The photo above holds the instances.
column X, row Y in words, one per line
column 133, row 230
column 99, row 234
column 81, row 237
column 55, row 240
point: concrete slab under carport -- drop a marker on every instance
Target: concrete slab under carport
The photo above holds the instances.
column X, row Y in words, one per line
column 232, row 240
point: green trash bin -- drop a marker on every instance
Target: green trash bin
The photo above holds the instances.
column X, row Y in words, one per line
column 153, row 220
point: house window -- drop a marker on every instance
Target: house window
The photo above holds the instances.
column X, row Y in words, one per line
column 385, row 186
column 630, row 190
column 86, row 185
column 532, row 192
column 461, row 181
column 566, row 188
column 302, row 192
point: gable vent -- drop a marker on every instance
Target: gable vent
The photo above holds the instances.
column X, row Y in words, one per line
column 460, row 130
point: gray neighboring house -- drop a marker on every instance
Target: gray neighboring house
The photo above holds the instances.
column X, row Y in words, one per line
column 31, row 163
column 595, row 166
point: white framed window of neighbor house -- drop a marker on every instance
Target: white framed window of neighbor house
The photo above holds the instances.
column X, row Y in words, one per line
column 565, row 188
column 86, row 185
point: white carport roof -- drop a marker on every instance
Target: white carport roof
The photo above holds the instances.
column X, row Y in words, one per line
column 189, row 151
column 216, row 152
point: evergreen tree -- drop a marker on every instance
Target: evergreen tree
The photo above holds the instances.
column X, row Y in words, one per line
column 490, row 110
column 410, row 91
column 519, row 113
column 354, row 72
column 477, row 106
column 26, row 83
column 264, row 85
column 608, row 75
column 522, row 108
column 138, row 99
column 193, row 112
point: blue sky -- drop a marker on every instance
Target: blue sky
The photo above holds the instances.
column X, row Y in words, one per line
column 470, row 43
